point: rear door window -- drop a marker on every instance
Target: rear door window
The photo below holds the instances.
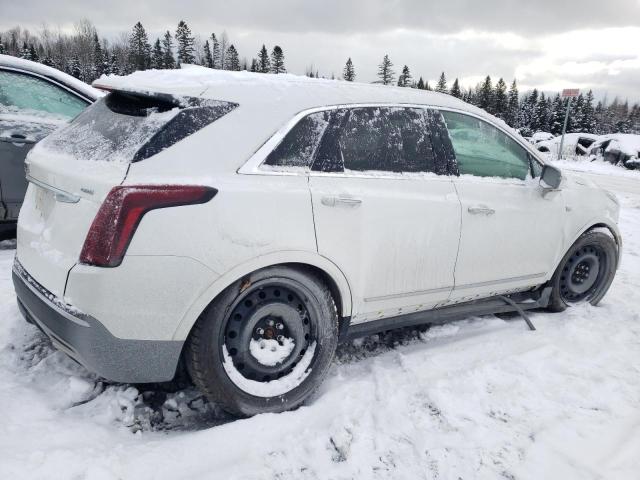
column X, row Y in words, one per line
column 124, row 127
column 385, row 139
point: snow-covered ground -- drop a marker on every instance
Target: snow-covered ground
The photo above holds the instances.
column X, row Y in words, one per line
column 480, row 398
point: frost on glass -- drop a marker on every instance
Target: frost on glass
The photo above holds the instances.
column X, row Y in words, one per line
column 298, row 147
column 388, row 139
column 101, row 134
column 36, row 97
column 124, row 128
column 483, row 150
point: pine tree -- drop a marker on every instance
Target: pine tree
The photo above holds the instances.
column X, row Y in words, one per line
column 404, row 79
column 98, row 57
column 501, row 102
column 215, row 52
column 157, row 55
column 349, row 73
column 232, row 59
column 385, row 72
column 264, row 65
column 528, row 122
column 577, row 108
column 167, row 51
column 139, row 48
column 541, row 115
column 254, row 65
column 277, row 60
column 427, row 86
column 24, row 53
column 455, row 89
column 33, row 54
column 185, row 40
column 420, row 84
column 441, row 86
column 208, row 58
column 556, row 116
column 513, row 106
column 486, row 96
column 3, row 49
column 74, row 67
column 588, row 114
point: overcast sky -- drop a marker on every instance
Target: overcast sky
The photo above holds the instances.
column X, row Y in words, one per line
column 549, row 44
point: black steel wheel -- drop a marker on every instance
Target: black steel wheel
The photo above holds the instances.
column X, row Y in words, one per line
column 586, row 271
column 265, row 343
column 268, row 331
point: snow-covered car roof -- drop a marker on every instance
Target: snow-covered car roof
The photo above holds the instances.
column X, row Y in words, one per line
column 15, row 63
column 540, row 136
column 627, row 143
column 289, row 93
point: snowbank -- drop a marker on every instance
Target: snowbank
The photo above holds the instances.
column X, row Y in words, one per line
column 481, row 398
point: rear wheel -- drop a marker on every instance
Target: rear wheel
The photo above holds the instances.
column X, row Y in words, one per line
column 585, row 273
column 265, row 343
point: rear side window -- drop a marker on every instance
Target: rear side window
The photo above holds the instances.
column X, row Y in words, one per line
column 123, row 127
column 387, row 139
column 483, row 150
column 298, row 147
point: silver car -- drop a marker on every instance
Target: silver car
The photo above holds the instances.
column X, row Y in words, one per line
column 34, row 101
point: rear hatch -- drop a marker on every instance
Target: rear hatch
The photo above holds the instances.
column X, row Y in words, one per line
column 71, row 171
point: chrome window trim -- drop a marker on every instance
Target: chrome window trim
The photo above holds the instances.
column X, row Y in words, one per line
column 59, row 195
column 255, row 164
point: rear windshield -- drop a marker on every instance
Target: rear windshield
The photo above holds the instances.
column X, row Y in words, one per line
column 125, row 127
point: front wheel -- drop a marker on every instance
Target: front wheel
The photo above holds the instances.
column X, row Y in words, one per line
column 265, row 343
column 585, row 273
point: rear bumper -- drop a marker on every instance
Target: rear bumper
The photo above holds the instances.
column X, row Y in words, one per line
column 87, row 341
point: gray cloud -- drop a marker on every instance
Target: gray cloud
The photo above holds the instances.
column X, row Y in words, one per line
column 505, row 34
column 339, row 16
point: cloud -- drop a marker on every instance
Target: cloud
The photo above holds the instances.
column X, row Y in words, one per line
column 547, row 43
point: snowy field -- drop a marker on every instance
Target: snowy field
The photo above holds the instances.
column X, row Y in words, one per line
column 481, row 398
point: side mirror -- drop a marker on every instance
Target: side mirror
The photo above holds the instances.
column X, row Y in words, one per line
column 550, row 178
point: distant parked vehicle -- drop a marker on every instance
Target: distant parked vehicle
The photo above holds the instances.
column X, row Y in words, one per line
column 247, row 223
column 575, row 144
column 540, row 137
column 618, row 149
column 34, row 101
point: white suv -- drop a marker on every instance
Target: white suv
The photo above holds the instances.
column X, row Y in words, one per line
column 247, row 223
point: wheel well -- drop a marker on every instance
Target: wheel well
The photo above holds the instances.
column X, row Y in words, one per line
column 326, row 278
column 604, row 228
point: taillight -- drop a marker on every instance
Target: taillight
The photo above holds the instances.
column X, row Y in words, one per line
column 121, row 212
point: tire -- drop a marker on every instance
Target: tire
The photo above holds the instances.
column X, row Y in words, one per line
column 585, row 272
column 231, row 355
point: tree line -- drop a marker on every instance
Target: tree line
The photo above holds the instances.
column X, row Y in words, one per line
column 85, row 56
column 529, row 113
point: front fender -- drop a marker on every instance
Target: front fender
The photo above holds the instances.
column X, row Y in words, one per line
column 594, row 222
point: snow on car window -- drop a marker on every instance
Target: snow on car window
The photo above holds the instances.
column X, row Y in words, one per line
column 298, row 147
column 129, row 127
column 387, row 139
column 24, row 93
column 103, row 134
column 483, row 150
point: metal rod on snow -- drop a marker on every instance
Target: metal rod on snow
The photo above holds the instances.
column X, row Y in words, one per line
column 522, row 313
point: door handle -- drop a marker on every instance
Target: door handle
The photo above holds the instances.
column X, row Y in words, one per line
column 481, row 210
column 349, row 202
column 17, row 138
